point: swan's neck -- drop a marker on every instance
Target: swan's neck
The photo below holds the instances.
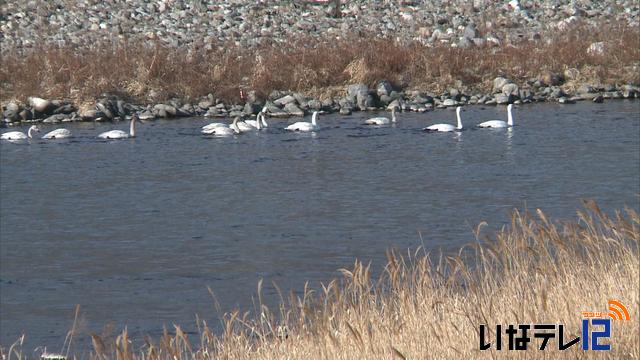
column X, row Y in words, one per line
column 393, row 115
column 29, row 132
column 264, row 121
column 132, row 127
column 509, row 117
column 313, row 118
column 459, row 119
column 258, row 123
column 235, row 127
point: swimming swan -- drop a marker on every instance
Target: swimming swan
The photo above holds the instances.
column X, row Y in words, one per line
column 259, row 122
column 497, row 124
column 305, row 126
column 254, row 123
column 244, row 127
column 207, row 128
column 17, row 135
column 446, row 127
column 382, row 120
column 57, row 134
column 226, row 131
column 119, row 134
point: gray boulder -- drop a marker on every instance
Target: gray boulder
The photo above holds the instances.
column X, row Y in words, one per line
column 585, row 89
column 26, row 114
column 105, row 108
column 501, row 99
column 556, row 93
column 345, row 111
column 120, row 106
column 293, row 109
column 164, row 110
column 346, row 104
column 328, row 103
column 271, row 108
column 205, row 104
column 510, row 89
column 91, row 115
column 449, row 102
column 301, row 99
column 360, row 94
column 12, row 112
column 465, row 43
column 314, row 104
column 385, row 99
column 146, row 115
column 499, row 83
column 384, row 88
column 56, row 118
column 470, row 32
column 40, row 105
column 65, row 109
column 285, row 100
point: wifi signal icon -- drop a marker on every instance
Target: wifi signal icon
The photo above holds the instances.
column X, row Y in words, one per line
column 617, row 311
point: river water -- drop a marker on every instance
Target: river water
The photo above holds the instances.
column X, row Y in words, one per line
column 135, row 231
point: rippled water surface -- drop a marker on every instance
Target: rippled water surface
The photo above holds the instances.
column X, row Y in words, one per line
column 136, row 230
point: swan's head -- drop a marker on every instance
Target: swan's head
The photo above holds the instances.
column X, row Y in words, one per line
column 34, row 128
column 135, row 118
column 458, row 110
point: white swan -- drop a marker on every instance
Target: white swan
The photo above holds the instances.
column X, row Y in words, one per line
column 305, row 126
column 260, row 121
column 226, row 131
column 17, row 135
column 57, row 134
column 119, row 134
column 446, row 127
column 244, row 127
column 209, row 127
column 497, row 124
column 382, row 120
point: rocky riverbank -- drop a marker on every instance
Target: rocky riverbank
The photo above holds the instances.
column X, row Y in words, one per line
column 101, row 61
column 359, row 97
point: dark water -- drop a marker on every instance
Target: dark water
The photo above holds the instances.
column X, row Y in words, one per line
column 136, row 230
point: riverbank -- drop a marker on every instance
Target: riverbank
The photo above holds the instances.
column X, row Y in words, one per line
column 591, row 61
column 533, row 272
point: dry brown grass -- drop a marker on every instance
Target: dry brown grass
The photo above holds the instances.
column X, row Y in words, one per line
column 533, row 271
column 143, row 72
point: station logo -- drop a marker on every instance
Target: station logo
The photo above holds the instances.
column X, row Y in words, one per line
column 595, row 332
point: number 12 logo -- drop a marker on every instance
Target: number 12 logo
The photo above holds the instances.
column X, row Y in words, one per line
column 595, row 335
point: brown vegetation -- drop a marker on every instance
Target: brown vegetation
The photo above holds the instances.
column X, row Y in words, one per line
column 143, row 72
column 535, row 271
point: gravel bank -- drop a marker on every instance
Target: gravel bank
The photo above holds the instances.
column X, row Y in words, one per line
column 179, row 23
